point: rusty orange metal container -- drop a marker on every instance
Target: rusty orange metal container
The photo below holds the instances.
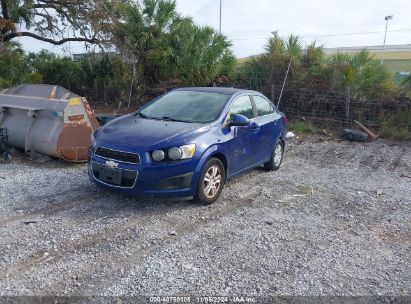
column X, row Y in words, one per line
column 47, row 120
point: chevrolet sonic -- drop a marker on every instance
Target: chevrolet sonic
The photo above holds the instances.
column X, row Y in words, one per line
column 186, row 143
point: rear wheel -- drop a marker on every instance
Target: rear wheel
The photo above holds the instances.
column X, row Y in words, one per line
column 276, row 158
column 211, row 182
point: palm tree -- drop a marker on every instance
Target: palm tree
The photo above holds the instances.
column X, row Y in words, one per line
column 167, row 45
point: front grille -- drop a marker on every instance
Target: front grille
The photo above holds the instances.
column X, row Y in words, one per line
column 124, row 157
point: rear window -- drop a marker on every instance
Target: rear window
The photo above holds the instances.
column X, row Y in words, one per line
column 263, row 106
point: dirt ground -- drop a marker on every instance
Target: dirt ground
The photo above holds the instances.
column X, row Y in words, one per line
column 334, row 220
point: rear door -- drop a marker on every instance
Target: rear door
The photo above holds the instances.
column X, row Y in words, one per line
column 268, row 121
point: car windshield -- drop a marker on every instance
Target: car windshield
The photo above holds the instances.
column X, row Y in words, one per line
column 186, row 106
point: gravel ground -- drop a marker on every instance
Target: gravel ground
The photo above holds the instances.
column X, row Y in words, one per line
column 334, row 220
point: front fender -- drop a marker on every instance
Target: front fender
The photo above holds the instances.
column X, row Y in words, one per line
column 204, row 158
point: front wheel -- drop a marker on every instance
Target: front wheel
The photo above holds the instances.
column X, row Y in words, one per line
column 276, row 158
column 211, row 182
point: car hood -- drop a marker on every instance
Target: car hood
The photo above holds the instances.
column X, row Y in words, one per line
column 137, row 131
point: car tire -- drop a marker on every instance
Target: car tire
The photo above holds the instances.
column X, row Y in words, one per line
column 211, row 182
column 276, row 157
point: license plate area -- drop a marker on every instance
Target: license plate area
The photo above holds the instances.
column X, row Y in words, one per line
column 110, row 175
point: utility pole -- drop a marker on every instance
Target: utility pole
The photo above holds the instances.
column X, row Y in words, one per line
column 387, row 18
column 220, row 14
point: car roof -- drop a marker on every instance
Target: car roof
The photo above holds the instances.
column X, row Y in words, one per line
column 219, row 90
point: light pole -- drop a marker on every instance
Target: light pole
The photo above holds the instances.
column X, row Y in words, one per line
column 220, row 14
column 387, row 18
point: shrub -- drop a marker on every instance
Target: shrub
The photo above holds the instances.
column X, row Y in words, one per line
column 396, row 125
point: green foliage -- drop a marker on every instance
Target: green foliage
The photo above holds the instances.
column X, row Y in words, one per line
column 167, row 46
column 311, row 68
column 13, row 67
column 357, row 71
column 406, row 82
column 55, row 69
column 55, row 21
column 96, row 74
column 397, row 125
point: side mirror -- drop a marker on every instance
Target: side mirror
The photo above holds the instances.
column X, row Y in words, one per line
column 238, row 120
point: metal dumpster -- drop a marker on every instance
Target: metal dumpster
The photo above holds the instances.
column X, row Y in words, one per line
column 48, row 120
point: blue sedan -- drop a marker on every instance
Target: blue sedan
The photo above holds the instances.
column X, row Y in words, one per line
column 186, row 143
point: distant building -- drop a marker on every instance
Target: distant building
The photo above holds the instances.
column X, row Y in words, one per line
column 374, row 48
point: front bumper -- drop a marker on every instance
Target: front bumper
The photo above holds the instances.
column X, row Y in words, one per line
column 168, row 180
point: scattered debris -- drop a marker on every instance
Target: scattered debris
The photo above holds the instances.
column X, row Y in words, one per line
column 371, row 135
column 326, row 133
column 29, row 222
column 290, row 135
column 4, row 143
column 355, row 135
column 47, row 120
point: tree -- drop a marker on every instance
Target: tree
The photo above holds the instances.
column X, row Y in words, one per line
column 165, row 45
column 13, row 67
column 53, row 20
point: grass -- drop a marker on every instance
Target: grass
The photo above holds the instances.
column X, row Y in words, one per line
column 303, row 127
column 394, row 126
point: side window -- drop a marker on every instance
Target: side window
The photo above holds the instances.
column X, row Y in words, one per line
column 243, row 106
column 263, row 106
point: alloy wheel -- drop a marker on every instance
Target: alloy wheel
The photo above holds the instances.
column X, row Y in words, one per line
column 278, row 153
column 212, row 181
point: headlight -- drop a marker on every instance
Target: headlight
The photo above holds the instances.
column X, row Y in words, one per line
column 174, row 153
column 158, row 155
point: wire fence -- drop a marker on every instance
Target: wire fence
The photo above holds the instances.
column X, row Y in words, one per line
column 338, row 107
column 298, row 103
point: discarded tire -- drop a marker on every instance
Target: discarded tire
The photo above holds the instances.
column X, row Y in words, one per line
column 355, row 135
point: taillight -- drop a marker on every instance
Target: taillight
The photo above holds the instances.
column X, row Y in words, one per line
column 286, row 120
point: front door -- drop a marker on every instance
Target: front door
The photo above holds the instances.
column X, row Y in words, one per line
column 242, row 145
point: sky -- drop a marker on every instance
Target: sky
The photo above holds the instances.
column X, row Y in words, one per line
column 248, row 23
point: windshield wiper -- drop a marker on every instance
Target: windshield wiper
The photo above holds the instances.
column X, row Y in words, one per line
column 141, row 115
column 172, row 119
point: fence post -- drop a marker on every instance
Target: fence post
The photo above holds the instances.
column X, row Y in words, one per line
column 347, row 103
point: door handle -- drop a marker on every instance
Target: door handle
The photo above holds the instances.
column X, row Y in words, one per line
column 255, row 128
